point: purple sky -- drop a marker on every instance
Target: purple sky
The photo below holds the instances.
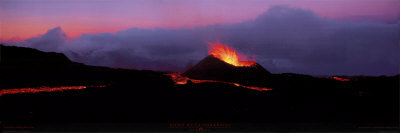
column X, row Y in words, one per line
column 318, row 37
column 22, row 19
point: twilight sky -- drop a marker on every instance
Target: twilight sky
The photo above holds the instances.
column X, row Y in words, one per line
column 319, row 37
column 22, row 19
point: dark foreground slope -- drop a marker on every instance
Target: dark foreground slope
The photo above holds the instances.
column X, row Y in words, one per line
column 146, row 100
column 26, row 67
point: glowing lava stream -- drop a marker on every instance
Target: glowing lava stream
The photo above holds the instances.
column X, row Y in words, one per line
column 229, row 55
column 43, row 89
column 340, row 79
column 179, row 79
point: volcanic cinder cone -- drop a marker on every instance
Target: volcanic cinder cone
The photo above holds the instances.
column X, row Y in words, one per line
column 212, row 68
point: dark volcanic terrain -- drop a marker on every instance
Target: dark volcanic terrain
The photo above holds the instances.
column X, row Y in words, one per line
column 297, row 102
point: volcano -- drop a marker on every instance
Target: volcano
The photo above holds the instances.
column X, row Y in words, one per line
column 212, row 68
column 223, row 64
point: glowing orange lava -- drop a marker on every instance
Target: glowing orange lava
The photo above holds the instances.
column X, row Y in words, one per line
column 227, row 54
column 179, row 79
column 44, row 89
column 340, row 79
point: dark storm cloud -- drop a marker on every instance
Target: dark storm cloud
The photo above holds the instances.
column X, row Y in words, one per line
column 282, row 39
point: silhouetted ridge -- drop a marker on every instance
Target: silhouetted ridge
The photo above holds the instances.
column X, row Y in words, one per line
column 12, row 56
column 27, row 67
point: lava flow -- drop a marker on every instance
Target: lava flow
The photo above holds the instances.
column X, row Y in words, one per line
column 179, row 79
column 340, row 79
column 229, row 55
column 44, row 89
